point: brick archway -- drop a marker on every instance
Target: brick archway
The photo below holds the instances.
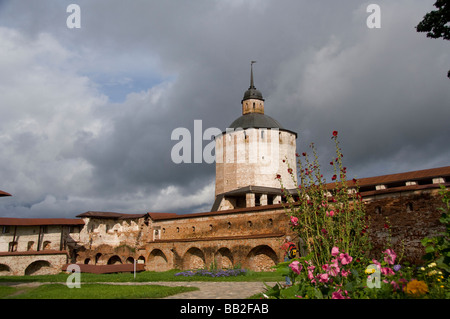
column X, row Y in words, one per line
column 39, row 267
column 194, row 258
column 114, row 260
column 157, row 261
column 223, row 258
column 4, row 270
column 261, row 258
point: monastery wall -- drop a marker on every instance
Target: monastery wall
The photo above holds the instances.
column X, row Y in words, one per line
column 32, row 263
column 406, row 218
column 35, row 238
column 107, row 231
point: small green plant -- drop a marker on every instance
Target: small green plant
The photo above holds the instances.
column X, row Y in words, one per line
column 437, row 248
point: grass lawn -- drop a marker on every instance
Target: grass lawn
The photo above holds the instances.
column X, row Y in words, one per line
column 92, row 287
column 145, row 276
column 91, row 291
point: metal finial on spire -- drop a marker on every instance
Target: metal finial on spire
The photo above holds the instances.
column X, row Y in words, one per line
column 252, row 86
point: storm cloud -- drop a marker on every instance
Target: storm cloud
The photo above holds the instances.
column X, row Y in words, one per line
column 87, row 114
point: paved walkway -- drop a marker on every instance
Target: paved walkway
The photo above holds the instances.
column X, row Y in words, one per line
column 208, row 289
column 218, row 290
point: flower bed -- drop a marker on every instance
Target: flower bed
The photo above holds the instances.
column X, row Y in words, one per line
column 345, row 277
column 213, row 273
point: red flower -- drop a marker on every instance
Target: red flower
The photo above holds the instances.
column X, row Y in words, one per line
column 386, row 226
column 335, row 133
column 304, row 154
column 278, row 176
column 290, row 170
column 333, row 178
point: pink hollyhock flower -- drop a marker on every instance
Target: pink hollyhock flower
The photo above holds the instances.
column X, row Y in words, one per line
column 345, row 258
column 345, row 273
column 387, row 271
column 311, row 266
column 334, row 251
column 337, row 295
column 296, row 267
column 323, row 278
column 334, row 271
column 310, row 275
column 390, row 256
column 330, row 213
column 294, row 220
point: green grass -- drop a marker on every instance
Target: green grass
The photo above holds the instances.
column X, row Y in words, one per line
column 6, row 291
column 92, row 291
column 92, row 287
column 146, row 276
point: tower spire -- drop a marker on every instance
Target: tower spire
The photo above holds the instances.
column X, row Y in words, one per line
column 252, row 86
column 252, row 92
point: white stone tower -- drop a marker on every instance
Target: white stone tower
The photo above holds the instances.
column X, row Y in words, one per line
column 250, row 154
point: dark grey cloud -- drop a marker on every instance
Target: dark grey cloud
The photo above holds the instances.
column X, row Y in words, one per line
column 87, row 114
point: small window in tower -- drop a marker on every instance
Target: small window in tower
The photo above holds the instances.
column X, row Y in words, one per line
column 378, row 210
column 210, row 227
column 253, row 105
column 229, row 225
column 409, row 207
column 249, row 223
column 178, row 229
column 193, row 229
column 270, row 222
column 262, row 134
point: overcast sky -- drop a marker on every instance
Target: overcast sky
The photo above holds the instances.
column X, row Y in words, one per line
column 86, row 114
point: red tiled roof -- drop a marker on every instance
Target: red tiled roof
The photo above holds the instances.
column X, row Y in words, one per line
column 33, row 252
column 400, row 177
column 164, row 216
column 158, row 216
column 188, row 239
column 6, row 221
column 110, row 215
column 2, row 193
